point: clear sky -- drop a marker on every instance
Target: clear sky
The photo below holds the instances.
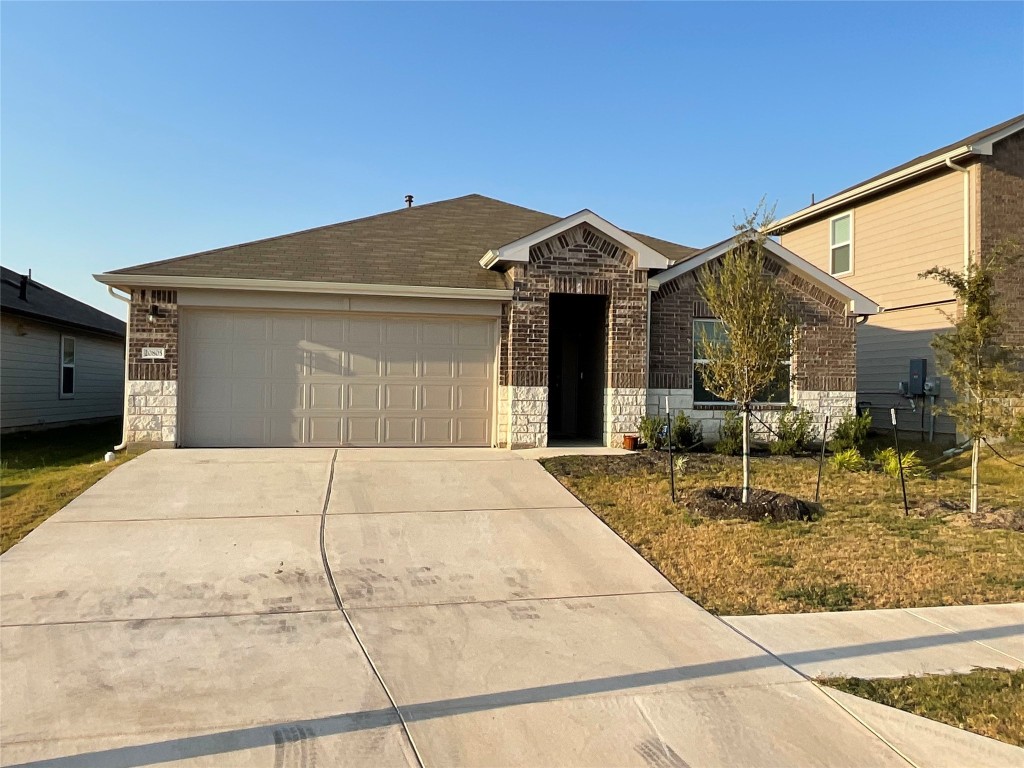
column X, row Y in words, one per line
column 135, row 132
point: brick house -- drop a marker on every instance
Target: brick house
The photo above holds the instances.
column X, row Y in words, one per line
column 945, row 208
column 464, row 322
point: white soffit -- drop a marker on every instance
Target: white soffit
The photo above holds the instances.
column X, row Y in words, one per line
column 518, row 251
column 858, row 303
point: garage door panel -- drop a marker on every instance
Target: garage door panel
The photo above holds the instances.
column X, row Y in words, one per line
column 437, row 397
column 401, row 362
column 399, row 430
column 289, row 378
column 325, row 429
column 326, row 396
column 363, row 363
column 437, row 431
column 362, row 430
column 363, row 397
column 400, row 397
column 365, row 331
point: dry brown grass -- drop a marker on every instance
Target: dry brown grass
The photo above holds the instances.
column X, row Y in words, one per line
column 41, row 472
column 862, row 553
column 985, row 701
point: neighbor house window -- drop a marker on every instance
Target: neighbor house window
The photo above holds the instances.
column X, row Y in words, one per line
column 67, row 366
column 714, row 331
column 841, row 233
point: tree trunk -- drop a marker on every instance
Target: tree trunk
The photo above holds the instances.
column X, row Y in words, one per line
column 975, row 455
column 746, row 455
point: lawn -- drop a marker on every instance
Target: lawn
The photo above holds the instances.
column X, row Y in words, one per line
column 862, row 552
column 986, row 701
column 41, row 472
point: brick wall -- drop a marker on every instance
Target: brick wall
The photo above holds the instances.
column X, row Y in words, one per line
column 152, row 415
column 579, row 261
column 1001, row 217
column 826, row 356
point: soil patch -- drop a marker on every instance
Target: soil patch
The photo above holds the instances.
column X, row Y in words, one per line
column 725, row 503
column 958, row 512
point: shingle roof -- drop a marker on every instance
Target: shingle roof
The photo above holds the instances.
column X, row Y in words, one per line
column 437, row 244
column 44, row 303
column 974, row 138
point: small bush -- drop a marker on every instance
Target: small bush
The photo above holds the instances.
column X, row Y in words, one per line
column 730, row 436
column 652, row 431
column 889, row 463
column 848, row 460
column 686, row 433
column 792, row 433
column 850, row 432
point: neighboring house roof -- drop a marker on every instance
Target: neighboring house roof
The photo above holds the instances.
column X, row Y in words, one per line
column 979, row 143
column 46, row 304
column 858, row 303
column 436, row 245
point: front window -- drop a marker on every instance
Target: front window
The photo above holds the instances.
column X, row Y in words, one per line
column 841, row 234
column 67, row 366
column 714, row 331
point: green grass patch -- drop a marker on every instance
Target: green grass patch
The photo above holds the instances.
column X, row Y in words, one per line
column 985, row 701
column 41, row 472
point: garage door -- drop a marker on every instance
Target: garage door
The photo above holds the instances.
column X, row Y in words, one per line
column 282, row 379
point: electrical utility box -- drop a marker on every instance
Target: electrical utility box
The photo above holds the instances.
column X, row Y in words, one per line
column 918, row 375
column 933, row 386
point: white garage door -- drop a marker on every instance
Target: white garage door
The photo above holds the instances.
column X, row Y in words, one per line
column 282, row 379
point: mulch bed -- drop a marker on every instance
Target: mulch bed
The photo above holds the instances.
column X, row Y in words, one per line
column 958, row 512
column 725, row 503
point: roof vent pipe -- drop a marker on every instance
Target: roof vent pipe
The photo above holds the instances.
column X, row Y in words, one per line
column 408, row 201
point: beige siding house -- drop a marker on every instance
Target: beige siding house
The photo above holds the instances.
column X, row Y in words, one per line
column 941, row 209
column 61, row 361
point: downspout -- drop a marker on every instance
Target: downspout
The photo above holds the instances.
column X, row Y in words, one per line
column 967, row 210
column 127, row 333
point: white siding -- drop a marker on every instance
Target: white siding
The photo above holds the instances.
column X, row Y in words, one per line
column 30, row 375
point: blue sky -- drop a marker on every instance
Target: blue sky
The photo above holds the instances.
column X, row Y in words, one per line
column 135, row 132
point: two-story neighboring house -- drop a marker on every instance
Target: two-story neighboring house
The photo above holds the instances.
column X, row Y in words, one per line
column 944, row 208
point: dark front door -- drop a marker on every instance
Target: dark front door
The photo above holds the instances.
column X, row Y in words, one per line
column 576, row 374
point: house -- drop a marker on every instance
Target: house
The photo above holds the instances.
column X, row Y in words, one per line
column 945, row 208
column 61, row 361
column 468, row 322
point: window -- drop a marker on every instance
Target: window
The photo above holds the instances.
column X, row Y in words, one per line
column 714, row 331
column 841, row 234
column 67, row 366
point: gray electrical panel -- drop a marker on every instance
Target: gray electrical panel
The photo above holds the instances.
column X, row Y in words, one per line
column 918, row 374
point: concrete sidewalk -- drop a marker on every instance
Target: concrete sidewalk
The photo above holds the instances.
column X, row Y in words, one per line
column 892, row 643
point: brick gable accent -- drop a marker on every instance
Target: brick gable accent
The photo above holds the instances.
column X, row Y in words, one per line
column 826, row 350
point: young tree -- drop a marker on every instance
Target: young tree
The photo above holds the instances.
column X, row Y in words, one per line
column 983, row 371
column 752, row 306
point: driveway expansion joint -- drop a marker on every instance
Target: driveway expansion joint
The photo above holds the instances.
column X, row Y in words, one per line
column 341, row 607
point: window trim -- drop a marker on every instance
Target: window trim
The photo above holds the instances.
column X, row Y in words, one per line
column 725, row 404
column 832, row 246
column 61, row 394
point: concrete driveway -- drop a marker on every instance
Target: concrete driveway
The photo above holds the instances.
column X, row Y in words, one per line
column 471, row 612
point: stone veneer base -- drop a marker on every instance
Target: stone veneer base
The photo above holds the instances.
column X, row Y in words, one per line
column 153, row 412
column 623, row 409
column 528, row 417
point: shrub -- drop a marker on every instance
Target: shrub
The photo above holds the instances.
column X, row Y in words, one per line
column 850, row 432
column 889, row 463
column 651, row 430
column 792, row 432
column 848, row 460
column 686, row 432
column 730, row 435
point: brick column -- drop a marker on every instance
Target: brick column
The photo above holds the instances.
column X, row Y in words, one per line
column 153, row 383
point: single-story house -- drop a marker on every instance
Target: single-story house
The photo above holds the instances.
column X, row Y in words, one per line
column 61, row 361
column 466, row 322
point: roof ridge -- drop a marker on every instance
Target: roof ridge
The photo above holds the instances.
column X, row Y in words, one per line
column 211, row 251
